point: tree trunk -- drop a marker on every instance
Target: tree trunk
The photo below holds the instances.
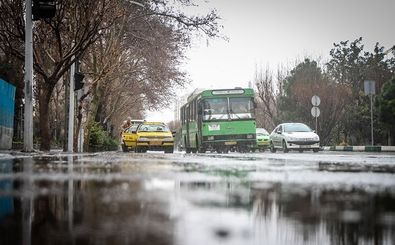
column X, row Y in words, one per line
column 45, row 96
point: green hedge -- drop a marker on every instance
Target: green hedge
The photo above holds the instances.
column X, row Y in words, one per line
column 100, row 140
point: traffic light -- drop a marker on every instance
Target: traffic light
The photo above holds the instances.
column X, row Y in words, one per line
column 43, row 9
column 78, row 78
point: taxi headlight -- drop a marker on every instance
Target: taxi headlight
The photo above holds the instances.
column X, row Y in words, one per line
column 168, row 139
column 143, row 139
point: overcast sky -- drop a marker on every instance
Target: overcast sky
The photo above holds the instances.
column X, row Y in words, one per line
column 274, row 32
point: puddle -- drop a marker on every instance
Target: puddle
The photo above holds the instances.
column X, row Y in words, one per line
column 177, row 199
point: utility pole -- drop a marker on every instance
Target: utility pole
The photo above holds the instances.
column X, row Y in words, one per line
column 70, row 131
column 371, row 119
column 370, row 89
column 28, row 109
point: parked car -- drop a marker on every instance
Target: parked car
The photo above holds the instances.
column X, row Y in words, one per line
column 262, row 139
column 294, row 136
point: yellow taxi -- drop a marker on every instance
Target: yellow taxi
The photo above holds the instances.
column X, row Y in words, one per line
column 153, row 136
column 129, row 138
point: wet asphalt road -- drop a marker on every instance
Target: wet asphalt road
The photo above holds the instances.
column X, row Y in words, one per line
column 157, row 198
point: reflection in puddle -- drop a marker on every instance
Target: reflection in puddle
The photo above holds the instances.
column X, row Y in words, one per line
column 155, row 203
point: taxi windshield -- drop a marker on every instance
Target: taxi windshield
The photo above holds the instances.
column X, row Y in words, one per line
column 153, row 128
column 132, row 128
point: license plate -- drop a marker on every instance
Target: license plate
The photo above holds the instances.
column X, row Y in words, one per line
column 156, row 142
column 230, row 143
column 305, row 146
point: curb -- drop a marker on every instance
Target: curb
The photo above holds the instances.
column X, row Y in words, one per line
column 361, row 148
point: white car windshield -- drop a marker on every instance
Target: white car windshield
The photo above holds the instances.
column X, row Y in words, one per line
column 296, row 127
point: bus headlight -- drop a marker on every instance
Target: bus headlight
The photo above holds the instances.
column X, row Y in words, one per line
column 250, row 136
column 210, row 138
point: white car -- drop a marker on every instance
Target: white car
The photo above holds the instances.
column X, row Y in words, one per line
column 294, row 136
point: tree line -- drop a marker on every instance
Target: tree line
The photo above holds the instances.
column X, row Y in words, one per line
column 339, row 82
column 130, row 52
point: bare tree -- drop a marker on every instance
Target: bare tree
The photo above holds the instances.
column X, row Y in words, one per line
column 58, row 43
column 268, row 90
column 135, row 64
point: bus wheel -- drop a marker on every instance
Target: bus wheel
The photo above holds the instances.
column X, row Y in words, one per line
column 194, row 150
column 187, row 150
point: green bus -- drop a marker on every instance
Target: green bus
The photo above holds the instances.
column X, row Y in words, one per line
column 219, row 120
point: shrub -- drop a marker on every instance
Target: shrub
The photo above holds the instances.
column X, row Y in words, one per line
column 100, row 140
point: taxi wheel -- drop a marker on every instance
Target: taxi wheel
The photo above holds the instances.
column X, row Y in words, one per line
column 316, row 150
column 124, row 148
column 170, row 150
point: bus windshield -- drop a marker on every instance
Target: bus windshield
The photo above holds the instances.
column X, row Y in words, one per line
column 215, row 109
column 228, row 108
column 240, row 108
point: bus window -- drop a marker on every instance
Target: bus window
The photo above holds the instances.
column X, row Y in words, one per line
column 194, row 110
column 188, row 114
column 182, row 115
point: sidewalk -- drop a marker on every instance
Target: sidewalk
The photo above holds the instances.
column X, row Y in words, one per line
column 367, row 148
